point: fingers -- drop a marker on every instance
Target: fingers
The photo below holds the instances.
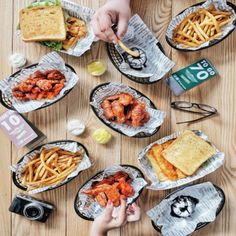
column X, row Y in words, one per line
column 122, row 25
column 108, row 210
column 121, row 218
column 102, row 28
column 97, row 30
column 134, row 213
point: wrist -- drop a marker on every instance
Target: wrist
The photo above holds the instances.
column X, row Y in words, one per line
column 98, row 231
column 121, row 1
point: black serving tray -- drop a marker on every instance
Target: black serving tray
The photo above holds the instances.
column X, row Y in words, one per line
column 15, row 179
column 6, row 102
column 77, row 203
column 116, row 60
column 139, row 135
column 213, row 42
column 200, row 224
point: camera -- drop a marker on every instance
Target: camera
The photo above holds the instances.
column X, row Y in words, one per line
column 31, row 208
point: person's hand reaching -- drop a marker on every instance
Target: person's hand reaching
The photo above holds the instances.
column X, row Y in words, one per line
column 133, row 213
column 112, row 218
column 106, row 221
column 113, row 12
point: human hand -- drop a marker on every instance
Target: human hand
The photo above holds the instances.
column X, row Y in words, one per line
column 106, row 221
column 133, row 213
column 113, row 12
column 115, row 217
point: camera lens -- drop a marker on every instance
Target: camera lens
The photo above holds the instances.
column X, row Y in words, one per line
column 33, row 211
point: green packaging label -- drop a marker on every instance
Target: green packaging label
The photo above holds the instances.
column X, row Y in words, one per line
column 195, row 74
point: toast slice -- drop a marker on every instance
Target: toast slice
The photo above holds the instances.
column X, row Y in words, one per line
column 188, row 152
column 42, row 23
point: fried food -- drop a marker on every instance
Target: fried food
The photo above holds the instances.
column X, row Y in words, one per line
column 179, row 158
column 111, row 188
column 126, row 49
column 201, row 26
column 40, row 85
column 125, row 109
column 50, row 167
column 76, row 29
column 164, row 169
column 188, row 152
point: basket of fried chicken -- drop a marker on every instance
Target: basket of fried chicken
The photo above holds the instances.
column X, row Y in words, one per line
column 126, row 110
column 38, row 85
column 112, row 184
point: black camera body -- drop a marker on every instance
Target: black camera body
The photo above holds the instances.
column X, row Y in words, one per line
column 31, row 208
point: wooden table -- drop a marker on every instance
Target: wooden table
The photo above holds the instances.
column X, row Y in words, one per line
column 52, row 121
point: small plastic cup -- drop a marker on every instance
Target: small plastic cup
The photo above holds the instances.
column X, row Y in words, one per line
column 96, row 68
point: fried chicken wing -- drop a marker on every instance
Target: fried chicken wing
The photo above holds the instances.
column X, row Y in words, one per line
column 139, row 115
column 106, row 105
column 124, row 108
column 40, row 85
column 111, row 188
column 118, row 111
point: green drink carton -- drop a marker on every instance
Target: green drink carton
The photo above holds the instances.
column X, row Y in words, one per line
column 191, row 76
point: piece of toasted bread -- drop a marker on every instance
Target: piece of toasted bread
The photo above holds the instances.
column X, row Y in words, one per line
column 42, row 23
column 188, row 152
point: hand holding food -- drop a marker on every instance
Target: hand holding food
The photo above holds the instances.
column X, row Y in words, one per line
column 40, row 85
column 201, row 26
column 126, row 49
column 113, row 12
column 50, row 167
column 102, row 136
column 111, row 188
column 125, row 109
column 106, row 221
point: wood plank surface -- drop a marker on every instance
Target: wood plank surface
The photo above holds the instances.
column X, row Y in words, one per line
column 218, row 92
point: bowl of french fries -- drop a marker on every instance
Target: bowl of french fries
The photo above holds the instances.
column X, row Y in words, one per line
column 50, row 166
column 201, row 26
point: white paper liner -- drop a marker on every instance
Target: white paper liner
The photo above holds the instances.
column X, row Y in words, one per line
column 219, row 4
column 85, row 14
column 80, row 12
column 205, row 211
column 69, row 146
column 206, row 168
column 138, row 35
column 48, row 62
column 156, row 116
column 89, row 207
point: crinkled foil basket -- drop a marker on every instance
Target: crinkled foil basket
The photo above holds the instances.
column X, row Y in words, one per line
column 206, row 168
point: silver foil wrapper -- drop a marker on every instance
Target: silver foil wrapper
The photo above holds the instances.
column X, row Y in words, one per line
column 219, row 4
column 139, row 35
column 156, row 116
column 51, row 61
column 207, row 203
column 73, row 147
column 206, row 168
column 89, row 207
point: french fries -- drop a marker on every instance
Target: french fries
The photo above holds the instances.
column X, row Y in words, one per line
column 50, row 167
column 201, row 26
column 126, row 49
